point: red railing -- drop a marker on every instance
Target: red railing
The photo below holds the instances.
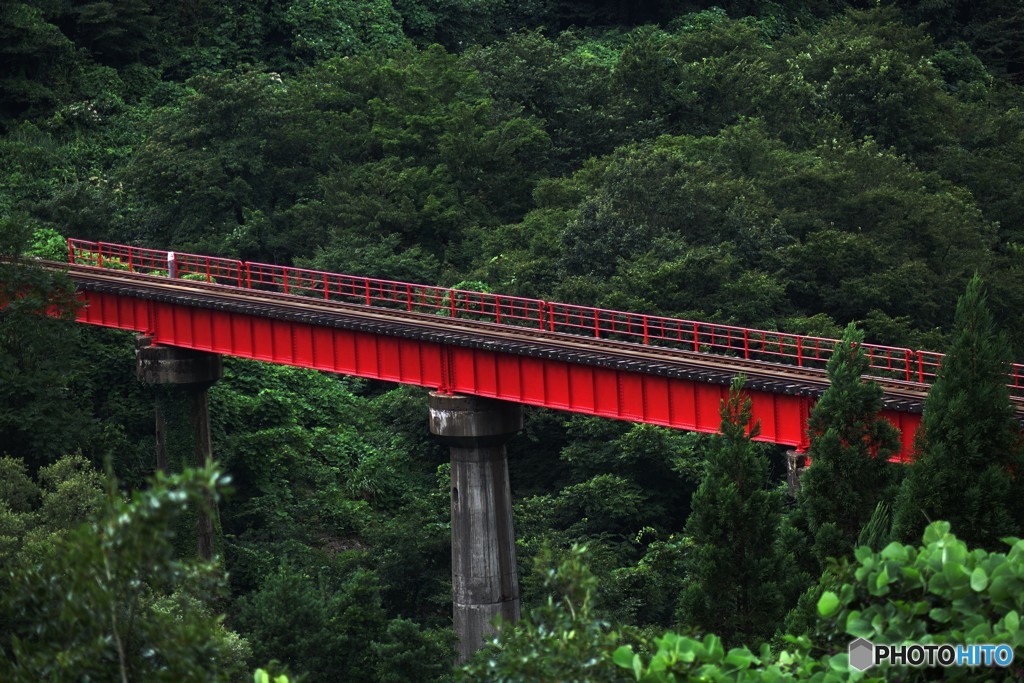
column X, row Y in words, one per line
column 157, row 262
column 888, row 362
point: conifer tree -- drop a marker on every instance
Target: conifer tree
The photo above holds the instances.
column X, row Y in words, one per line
column 969, row 462
column 733, row 566
column 850, row 448
column 876, row 533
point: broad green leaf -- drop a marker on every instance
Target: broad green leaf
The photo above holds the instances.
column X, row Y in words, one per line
column 1003, row 587
column 839, row 662
column 882, row 580
column 935, row 532
column 979, row 580
column 741, row 658
column 895, row 551
column 623, row 657
column 1012, row 621
column 858, row 626
column 828, row 603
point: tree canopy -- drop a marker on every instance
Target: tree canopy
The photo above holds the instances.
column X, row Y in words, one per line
column 791, row 165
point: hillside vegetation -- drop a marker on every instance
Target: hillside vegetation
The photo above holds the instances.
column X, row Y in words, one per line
column 844, row 169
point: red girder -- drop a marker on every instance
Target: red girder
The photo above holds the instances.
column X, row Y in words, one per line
column 606, row 392
column 632, row 395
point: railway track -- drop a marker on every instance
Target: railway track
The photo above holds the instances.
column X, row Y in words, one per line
column 779, row 377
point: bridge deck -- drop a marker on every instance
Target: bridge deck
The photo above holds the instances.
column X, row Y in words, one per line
column 614, row 364
column 606, row 378
column 772, row 376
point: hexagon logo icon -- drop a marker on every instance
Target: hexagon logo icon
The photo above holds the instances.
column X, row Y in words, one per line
column 862, row 654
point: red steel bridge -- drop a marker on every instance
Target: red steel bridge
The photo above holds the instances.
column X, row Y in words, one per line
column 629, row 366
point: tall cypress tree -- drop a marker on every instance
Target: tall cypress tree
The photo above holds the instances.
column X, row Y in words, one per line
column 969, row 463
column 733, row 566
column 850, row 448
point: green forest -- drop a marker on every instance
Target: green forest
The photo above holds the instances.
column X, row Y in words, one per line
column 845, row 169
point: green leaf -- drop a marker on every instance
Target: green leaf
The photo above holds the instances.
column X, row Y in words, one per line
column 741, row 658
column 935, row 532
column 623, row 657
column 895, row 551
column 1003, row 587
column 840, row 662
column 857, row 625
column 1012, row 621
column 828, row 603
column 882, row 581
column 979, row 579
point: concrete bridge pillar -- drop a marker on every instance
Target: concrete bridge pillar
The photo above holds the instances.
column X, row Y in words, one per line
column 796, row 463
column 485, row 582
column 195, row 372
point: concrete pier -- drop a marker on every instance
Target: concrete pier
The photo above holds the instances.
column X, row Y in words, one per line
column 485, row 582
column 195, row 372
column 796, row 463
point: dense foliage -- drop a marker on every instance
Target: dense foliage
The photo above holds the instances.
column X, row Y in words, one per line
column 938, row 592
column 93, row 588
column 792, row 165
column 734, row 565
column 969, row 457
column 851, row 445
column 941, row 592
